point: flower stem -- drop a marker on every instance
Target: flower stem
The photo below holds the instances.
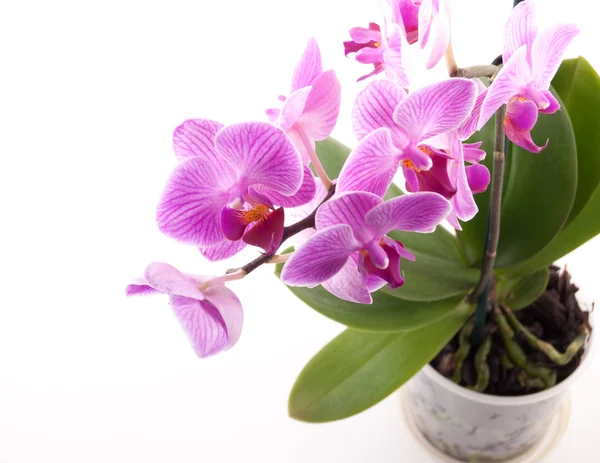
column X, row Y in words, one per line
column 325, row 180
column 484, row 70
column 487, row 267
column 235, row 275
column 451, row 61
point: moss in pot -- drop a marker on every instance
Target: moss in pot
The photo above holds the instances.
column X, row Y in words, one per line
column 482, row 303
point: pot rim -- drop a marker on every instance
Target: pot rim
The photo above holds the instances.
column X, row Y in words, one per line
column 489, row 399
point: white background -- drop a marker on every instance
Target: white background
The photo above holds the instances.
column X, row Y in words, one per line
column 89, row 95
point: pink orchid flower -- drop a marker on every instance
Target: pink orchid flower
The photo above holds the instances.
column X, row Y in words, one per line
column 371, row 46
column 211, row 318
column 350, row 255
column 418, row 132
column 422, row 19
column 310, row 112
column 530, row 61
column 229, row 184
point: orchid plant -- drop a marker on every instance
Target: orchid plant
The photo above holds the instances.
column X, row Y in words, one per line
column 365, row 253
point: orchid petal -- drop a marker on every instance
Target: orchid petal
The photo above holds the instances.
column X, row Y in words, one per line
column 167, row 279
column 364, row 35
column 349, row 284
column 293, row 108
column 392, row 57
column 463, row 203
column 547, row 51
column 139, row 287
column 553, row 104
column 374, row 107
column 436, row 108
column 521, row 117
column 469, row 127
column 191, row 203
column 322, row 106
column 263, row 154
column 222, row 250
column 478, row 177
column 350, row 209
column 473, row 152
column 230, row 308
column 298, row 142
column 369, row 55
column 321, row 257
column 507, row 84
column 195, row 137
column 441, row 40
column 202, row 323
column 425, row 17
column 309, row 66
column 417, row 212
column 378, row 69
column 302, row 196
column 371, row 166
column 521, row 29
column 267, row 233
column 232, row 223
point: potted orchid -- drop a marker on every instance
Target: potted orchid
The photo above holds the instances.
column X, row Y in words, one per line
column 452, row 276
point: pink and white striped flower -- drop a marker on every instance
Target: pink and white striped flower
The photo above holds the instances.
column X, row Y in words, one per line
column 211, row 317
column 226, row 190
column 350, row 255
column 531, row 59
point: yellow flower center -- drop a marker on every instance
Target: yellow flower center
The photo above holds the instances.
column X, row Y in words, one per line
column 408, row 164
column 258, row 212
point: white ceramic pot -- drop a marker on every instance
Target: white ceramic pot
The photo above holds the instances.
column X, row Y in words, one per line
column 475, row 427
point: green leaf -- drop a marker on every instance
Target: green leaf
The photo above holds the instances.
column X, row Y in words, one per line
column 358, row 369
column 430, row 278
column 583, row 228
column 578, row 85
column 440, row 243
column 386, row 314
column 519, row 292
column 538, row 194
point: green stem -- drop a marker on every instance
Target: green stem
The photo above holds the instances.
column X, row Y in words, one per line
column 516, row 354
column 545, row 347
column 464, row 346
column 481, row 365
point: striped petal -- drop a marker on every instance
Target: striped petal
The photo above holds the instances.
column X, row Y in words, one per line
column 374, row 107
column 436, row 109
column 167, row 279
column 371, row 166
column 190, row 207
column 309, row 66
column 263, row 155
column 349, row 209
column 349, row 284
column 417, row 212
column 223, row 250
column 322, row 106
column 521, row 29
column 321, row 257
column 547, row 51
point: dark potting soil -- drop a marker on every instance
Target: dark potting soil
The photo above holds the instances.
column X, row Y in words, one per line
column 555, row 317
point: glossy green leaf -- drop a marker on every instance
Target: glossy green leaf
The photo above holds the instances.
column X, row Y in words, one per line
column 583, row 228
column 440, row 243
column 538, row 193
column 430, row 278
column 386, row 314
column 519, row 292
column 578, row 85
column 358, row 369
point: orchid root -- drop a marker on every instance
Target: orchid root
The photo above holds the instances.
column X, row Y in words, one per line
column 516, row 354
column 545, row 347
column 481, row 365
column 464, row 346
